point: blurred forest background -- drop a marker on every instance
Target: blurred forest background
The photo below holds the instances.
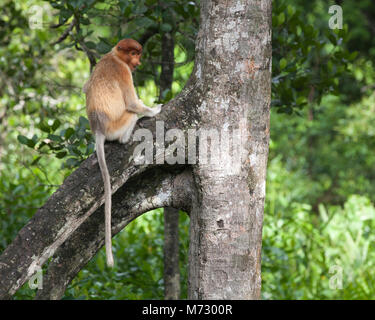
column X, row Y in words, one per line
column 318, row 236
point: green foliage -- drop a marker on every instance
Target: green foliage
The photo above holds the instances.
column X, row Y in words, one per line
column 358, row 15
column 330, row 147
column 18, row 201
column 328, row 256
column 320, row 203
column 37, row 96
column 307, row 62
column 146, row 21
column 74, row 144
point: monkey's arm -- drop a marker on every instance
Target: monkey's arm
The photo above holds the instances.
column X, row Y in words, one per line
column 140, row 108
column 133, row 103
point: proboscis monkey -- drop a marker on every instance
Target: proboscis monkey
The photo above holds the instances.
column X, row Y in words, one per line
column 112, row 107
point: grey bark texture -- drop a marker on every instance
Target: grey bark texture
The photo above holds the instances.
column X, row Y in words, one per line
column 232, row 76
column 230, row 87
column 172, row 287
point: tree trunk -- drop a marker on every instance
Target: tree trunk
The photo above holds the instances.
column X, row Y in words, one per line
column 228, row 92
column 167, row 63
column 233, row 81
column 172, row 286
column 171, row 254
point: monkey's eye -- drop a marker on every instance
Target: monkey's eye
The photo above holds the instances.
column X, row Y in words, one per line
column 133, row 53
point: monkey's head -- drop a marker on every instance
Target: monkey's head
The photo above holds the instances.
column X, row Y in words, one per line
column 129, row 51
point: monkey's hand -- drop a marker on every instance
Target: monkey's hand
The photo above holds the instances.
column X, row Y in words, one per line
column 157, row 109
column 152, row 112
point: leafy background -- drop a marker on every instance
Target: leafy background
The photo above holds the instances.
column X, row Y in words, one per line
column 319, row 214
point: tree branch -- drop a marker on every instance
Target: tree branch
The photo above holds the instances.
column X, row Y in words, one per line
column 65, row 33
column 150, row 32
column 159, row 188
column 80, row 195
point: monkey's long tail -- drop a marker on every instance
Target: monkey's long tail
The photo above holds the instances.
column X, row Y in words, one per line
column 99, row 144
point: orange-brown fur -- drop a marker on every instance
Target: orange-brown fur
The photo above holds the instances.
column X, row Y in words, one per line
column 120, row 122
column 110, row 90
column 112, row 106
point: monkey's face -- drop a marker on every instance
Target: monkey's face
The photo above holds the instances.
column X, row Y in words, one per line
column 133, row 59
column 130, row 52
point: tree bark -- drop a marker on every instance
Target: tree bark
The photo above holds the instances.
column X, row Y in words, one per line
column 172, row 287
column 233, row 80
column 230, row 88
column 167, row 63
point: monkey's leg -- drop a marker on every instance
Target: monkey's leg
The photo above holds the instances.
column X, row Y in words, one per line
column 128, row 132
column 116, row 129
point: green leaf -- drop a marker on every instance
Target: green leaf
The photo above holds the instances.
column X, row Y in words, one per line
column 123, row 5
column 291, row 10
column 301, row 100
column 85, row 21
column 36, row 160
column 191, row 8
column 65, row 15
column 139, row 8
column 353, row 55
column 61, row 155
column 332, row 38
column 84, row 122
column 103, row 47
column 56, row 124
column 68, row 133
column 127, row 12
column 44, row 127
column 90, row 148
column 281, row 18
column 145, row 22
column 29, row 142
column 283, row 63
column 54, row 137
column 90, row 45
column 166, row 27
column 71, row 163
column 22, row 139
